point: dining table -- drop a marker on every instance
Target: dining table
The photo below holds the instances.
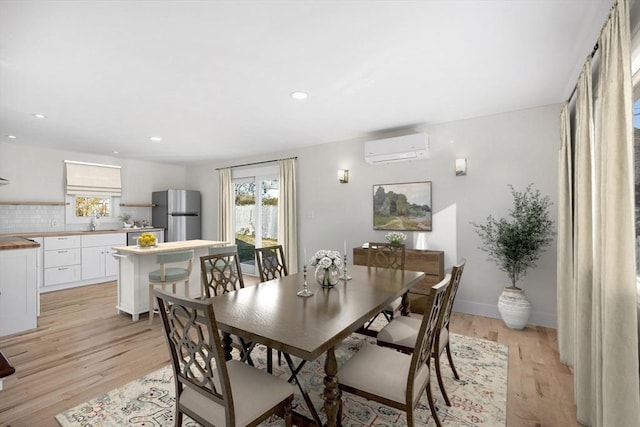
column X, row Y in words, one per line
column 271, row 313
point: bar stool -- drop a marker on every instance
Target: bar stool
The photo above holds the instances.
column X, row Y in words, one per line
column 170, row 275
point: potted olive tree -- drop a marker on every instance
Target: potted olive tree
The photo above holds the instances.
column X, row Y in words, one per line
column 515, row 244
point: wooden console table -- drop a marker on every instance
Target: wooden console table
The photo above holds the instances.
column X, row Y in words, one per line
column 431, row 263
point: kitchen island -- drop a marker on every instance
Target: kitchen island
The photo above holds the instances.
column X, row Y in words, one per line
column 135, row 263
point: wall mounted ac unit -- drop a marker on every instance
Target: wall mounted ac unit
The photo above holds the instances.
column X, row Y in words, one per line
column 397, row 149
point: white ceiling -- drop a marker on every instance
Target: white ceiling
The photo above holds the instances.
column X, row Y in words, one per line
column 213, row 78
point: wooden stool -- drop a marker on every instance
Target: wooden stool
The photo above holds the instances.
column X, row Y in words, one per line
column 170, row 275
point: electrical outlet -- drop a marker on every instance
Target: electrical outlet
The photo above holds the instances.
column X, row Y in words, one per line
column 54, row 223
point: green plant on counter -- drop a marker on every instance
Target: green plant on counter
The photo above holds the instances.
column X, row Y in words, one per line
column 126, row 218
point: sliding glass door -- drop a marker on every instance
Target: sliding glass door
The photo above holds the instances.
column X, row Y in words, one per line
column 255, row 217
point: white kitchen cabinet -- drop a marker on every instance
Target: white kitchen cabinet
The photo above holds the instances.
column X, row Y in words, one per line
column 78, row 260
column 61, row 260
column 97, row 259
column 39, row 268
column 18, row 292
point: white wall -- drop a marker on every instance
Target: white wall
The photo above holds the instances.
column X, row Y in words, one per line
column 513, row 148
column 37, row 174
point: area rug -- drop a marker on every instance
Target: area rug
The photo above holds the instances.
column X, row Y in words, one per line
column 477, row 399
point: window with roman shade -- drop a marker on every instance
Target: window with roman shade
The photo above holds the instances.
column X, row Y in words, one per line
column 92, row 179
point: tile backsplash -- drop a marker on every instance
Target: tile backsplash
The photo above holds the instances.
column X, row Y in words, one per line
column 28, row 218
column 34, row 218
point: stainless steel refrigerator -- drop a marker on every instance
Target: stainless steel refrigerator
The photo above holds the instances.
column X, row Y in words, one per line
column 178, row 212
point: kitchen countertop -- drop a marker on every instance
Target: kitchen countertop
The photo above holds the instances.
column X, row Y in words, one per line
column 81, row 232
column 17, row 243
column 169, row 247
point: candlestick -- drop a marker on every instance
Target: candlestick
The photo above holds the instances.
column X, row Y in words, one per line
column 345, row 247
column 345, row 276
column 305, row 292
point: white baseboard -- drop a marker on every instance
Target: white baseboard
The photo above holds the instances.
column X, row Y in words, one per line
column 539, row 318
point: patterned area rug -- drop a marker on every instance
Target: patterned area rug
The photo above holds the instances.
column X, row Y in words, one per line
column 477, row 399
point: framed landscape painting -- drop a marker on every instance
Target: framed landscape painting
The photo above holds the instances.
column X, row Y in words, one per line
column 405, row 207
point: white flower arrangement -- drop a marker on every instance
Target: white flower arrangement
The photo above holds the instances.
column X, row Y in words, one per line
column 395, row 237
column 326, row 259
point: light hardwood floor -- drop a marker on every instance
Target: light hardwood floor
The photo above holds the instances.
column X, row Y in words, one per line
column 82, row 348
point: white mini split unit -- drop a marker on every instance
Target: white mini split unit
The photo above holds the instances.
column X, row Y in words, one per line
column 397, row 149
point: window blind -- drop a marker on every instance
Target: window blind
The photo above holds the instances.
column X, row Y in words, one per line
column 92, row 179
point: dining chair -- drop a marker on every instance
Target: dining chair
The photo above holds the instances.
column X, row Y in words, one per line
column 384, row 255
column 214, row 250
column 402, row 332
column 166, row 275
column 271, row 262
column 209, row 390
column 221, row 273
column 395, row 378
column 271, row 265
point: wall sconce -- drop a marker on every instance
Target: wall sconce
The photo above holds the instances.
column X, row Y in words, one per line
column 343, row 176
column 461, row 167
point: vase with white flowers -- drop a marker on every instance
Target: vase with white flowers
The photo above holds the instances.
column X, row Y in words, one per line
column 328, row 265
column 395, row 237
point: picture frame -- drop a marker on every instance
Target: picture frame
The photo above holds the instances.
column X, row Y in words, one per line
column 403, row 206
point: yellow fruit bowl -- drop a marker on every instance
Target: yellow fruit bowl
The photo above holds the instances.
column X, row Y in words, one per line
column 147, row 240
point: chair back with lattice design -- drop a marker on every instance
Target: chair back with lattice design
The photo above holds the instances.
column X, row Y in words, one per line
column 194, row 343
column 386, row 255
column 428, row 329
column 271, row 263
column 221, row 272
column 456, row 276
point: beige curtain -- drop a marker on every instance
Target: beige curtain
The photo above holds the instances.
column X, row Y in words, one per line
column 597, row 335
column 287, row 217
column 583, row 241
column 564, row 268
column 225, row 206
column 617, row 393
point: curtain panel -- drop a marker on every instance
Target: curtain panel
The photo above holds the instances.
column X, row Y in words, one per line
column 287, row 216
column 597, row 320
column 564, row 261
column 615, row 275
column 225, row 206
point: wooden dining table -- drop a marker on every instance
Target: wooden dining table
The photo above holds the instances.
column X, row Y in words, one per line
column 271, row 313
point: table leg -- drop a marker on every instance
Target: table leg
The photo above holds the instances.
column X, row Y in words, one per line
column 332, row 394
column 226, row 345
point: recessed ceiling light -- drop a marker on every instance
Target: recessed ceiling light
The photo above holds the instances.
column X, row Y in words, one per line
column 11, row 136
column 298, row 95
column 155, row 138
column 39, row 116
column 115, row 152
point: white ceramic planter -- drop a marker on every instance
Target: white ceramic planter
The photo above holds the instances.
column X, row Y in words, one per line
column 514, row 307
